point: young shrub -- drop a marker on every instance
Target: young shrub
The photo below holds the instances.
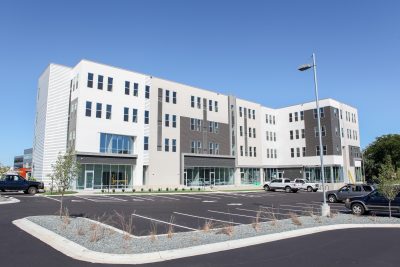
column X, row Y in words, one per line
column 176, row 188
column 207, row 226
column 167, row 189
column 159, row 189
column 102, row 190
column 170, row 230
column 113, row 190
column 123, row 190
column 153, row 231
column 191, row 189
column 142, row 189
column 133, row 190
column 199, row 189
column 149, row 189
column 256, row 223
column 295, row 219
column 227, row 230
column 183, row 189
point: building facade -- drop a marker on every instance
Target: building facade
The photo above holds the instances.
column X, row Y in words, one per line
column 133, row 130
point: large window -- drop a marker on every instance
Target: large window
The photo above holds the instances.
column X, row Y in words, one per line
column 216, row 106
column 100, row 82
column 109, row 84
column 88, row 111
column 250, row 176
column 104, row 176
column 98, row 110
column 90, row 80
column 116, row 144
column 198, row 102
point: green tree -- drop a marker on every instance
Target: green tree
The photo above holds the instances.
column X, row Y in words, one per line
column 389, row 181
column 65, row 171
column 375, row 153
column 3, row 169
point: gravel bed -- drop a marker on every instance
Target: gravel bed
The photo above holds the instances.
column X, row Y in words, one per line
column 101, row 239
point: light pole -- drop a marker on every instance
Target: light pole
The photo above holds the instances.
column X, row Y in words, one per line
column 325, row 209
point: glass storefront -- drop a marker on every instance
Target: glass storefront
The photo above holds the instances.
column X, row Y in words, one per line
column 359, row 175
column 250, row 176
column 333, row 174
column 207, row 176
column 104, row 176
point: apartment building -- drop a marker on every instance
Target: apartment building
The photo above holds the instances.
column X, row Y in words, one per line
column 133, row 130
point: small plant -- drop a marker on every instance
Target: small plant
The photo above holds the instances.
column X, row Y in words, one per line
column 142, row 189
column 191, row 189
column 183, row 189
column 199, row 188
column 149, row 189
column 227, row 230
column 102, row 190
column 153, row 231
column 65, row 219
column 80, row 231
column 207, row 226
column 159, row 189
column 295, row 219
column 113, row 190
column 176, row 188
column 167, row 189
column 126, row 225
column 170, row 230
column 123, row 190
column 256, row 224
column 133, row 190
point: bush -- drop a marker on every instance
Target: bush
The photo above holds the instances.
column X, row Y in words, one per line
column 183, row 189
column 176, row 188
column 159, row 189
column 133, row 190
column 191, row 189
column 142, row 189
column 149, row 189
column 199, row 188
column 113, row 190
column 102, row 190
column 123, row 190
column 166, row 189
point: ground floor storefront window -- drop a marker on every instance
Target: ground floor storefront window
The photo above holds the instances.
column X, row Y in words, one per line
column 333, row 174
column 208, row 176
column 250, row 176
column 104, row 176
column 359, row 174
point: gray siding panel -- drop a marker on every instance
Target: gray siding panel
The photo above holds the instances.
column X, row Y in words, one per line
column 86, row 159
column 199, row 161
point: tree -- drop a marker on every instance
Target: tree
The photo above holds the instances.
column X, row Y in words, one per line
column 65, row 171
column 375, row 153
column 3, row 169
column 389, row 181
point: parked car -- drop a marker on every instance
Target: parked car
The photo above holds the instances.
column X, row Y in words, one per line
column 283, row 184
column 348, row 191
column 307, row 185
column 14, row 182
column 374, row 201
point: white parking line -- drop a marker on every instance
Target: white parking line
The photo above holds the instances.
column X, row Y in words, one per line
column 205, row 195
column 119, row 199
column 209, row 201
column 234, row 214
column 99, row 199
column 189, row 197
column 169, row 223
column 205, row 218
column 142, row 198
column 166, row 197
column 268, row 212
column 51, row 198
column 234, row 204
column 225, row 195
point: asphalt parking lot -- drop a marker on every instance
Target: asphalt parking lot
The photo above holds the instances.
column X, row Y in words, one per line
column 190, row 212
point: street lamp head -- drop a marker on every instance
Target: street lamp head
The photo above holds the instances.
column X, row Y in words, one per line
column 305, row 67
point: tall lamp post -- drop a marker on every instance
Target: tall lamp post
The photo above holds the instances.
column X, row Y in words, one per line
column 325, row 209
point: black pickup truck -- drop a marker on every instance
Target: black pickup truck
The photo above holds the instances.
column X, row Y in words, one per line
column 13, row 182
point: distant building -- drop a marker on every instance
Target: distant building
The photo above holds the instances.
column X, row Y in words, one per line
column 23, row 163
column 18, row 162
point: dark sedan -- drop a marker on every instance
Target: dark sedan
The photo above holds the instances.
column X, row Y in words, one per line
column 348, row 191
column 374, row 201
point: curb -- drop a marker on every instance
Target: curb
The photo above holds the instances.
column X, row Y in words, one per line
column 81, row 253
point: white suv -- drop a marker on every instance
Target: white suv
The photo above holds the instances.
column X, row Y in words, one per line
column 283, row 184
column 307, row 185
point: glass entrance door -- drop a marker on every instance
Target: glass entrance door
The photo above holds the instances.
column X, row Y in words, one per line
column 89, row 175
column 212, row 177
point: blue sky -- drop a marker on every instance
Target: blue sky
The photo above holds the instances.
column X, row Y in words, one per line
column 247, row 48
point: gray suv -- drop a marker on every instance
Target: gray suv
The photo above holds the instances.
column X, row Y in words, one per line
column 348, row 191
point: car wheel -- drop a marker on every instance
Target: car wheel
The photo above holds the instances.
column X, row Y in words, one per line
column 357, row 209
column 266, row 188
column 332, row 198
column 32, row 190
column 288, row 189
column 315, row 190
column 309, row 189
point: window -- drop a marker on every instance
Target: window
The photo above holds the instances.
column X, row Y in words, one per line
column 173, row 145
column 135, row 89
column 250, row 151
column 275, row 153
column 216, row 146
column 210, row 105
column 267, row 133
column 146, row 143
column 198, row 102
column 323, row 131
column 108, row 112
column 249, row 131
column 296, row 116
column 336, row 131
column 216, row 106
column 292, row 152
column 127, row 85
column 318, row 151
column 193, row 147
column 268, row 153
column 89, row 80
column 146, row 117
column 100, row 82
column 126, row 115
column 298, row 152
column 321, row 113
column 254, row 132
column 174, row 97
column 109, row 84
column 249, row 114
column 167, row 96
column 174, row 121
column 342, row 133
column 192, row 101
column 216, row 127
column 192, row 124
column 254, row 114
column 241, row 151
column 166, row 144
column 303, row 133
column 88, row 109
column 147, row 92
column 291, row 135
column 266, row 118
column 134, row 115
column 240, row 112
column 304, row 151
column 325, row 150
column 273, row 120
column 335, row 112
column 274, row 137
column 290, row 117
column 166, row 120
column 199, row 147
column 341, row 114
column 255, row 152
column 211, row 148
column 297, row 134
column 98, row 110
column 116, row 144
column 199, row 125
column 241, row 130
column 302, row 115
